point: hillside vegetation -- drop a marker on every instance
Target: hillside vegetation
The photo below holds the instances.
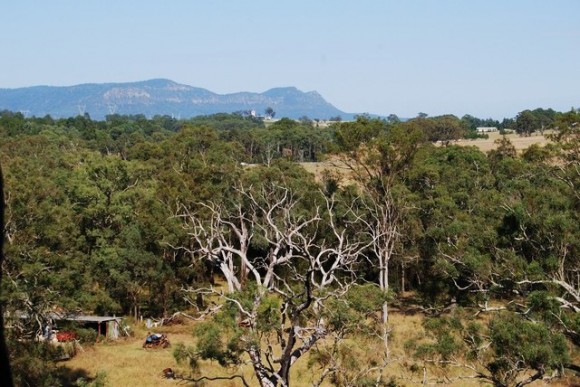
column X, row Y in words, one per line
column 408, row 257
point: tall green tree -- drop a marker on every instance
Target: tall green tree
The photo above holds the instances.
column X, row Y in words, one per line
column 527, row 122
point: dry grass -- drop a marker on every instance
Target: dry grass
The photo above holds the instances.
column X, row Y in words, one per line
column 519, row 142
column 335, row 167
column 126, row 363
column 485, row 145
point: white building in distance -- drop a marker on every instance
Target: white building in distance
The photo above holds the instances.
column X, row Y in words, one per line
column 484, row 129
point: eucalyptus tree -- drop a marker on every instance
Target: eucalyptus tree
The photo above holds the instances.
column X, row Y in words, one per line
column 378, row 155
column 41, row 269
column 457, row 207
column 539, row 232
column 567, row 138
column 527, row 122
column 121, row 227
column 444, row 128
column 509, row 351
column 297, row 254
column 40, row 235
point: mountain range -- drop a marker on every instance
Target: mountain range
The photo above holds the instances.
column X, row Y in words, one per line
column 160, row 97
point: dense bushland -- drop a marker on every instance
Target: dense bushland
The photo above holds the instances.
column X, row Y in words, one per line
column 137, row 216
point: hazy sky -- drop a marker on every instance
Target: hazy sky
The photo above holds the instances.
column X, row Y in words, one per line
column 488, row 58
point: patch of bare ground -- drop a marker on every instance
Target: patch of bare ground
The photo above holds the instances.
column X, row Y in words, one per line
column 333, row 167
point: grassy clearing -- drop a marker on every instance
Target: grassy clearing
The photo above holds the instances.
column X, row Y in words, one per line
column 519, row 142
column 335, row 167
column 485, row 145
column 126, row 363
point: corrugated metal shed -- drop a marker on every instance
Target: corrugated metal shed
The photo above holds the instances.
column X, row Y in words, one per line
column 107, row 326
column 84, row 318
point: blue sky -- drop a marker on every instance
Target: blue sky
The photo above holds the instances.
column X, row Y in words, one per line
column 488, row 58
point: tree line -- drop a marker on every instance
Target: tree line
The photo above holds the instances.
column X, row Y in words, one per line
column 138, row 216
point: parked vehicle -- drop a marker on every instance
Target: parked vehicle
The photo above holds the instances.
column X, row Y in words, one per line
column 156, row 340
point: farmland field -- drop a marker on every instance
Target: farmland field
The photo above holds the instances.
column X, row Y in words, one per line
column 518, row 141
column 485, row 145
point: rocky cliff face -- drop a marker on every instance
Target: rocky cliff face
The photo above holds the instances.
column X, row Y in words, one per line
column 160, row 97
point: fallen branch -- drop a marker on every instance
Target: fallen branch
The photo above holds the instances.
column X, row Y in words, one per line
column 214, row 378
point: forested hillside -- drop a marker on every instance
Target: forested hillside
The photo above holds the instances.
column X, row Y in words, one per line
column 139, row 217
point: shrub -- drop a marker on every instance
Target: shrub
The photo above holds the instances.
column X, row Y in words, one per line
column 86, row 335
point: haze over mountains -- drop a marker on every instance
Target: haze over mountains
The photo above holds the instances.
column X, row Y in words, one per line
column 161, row 97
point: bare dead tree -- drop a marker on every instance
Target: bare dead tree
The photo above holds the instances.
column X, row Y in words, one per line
column 300, row 265
column 380, row 222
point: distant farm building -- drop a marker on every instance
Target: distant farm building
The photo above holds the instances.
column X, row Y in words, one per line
column 485, row 129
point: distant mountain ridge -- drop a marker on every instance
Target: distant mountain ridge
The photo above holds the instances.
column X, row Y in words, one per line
column 160, row 97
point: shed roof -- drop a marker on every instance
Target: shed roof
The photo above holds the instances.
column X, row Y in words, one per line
column 83, row 318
